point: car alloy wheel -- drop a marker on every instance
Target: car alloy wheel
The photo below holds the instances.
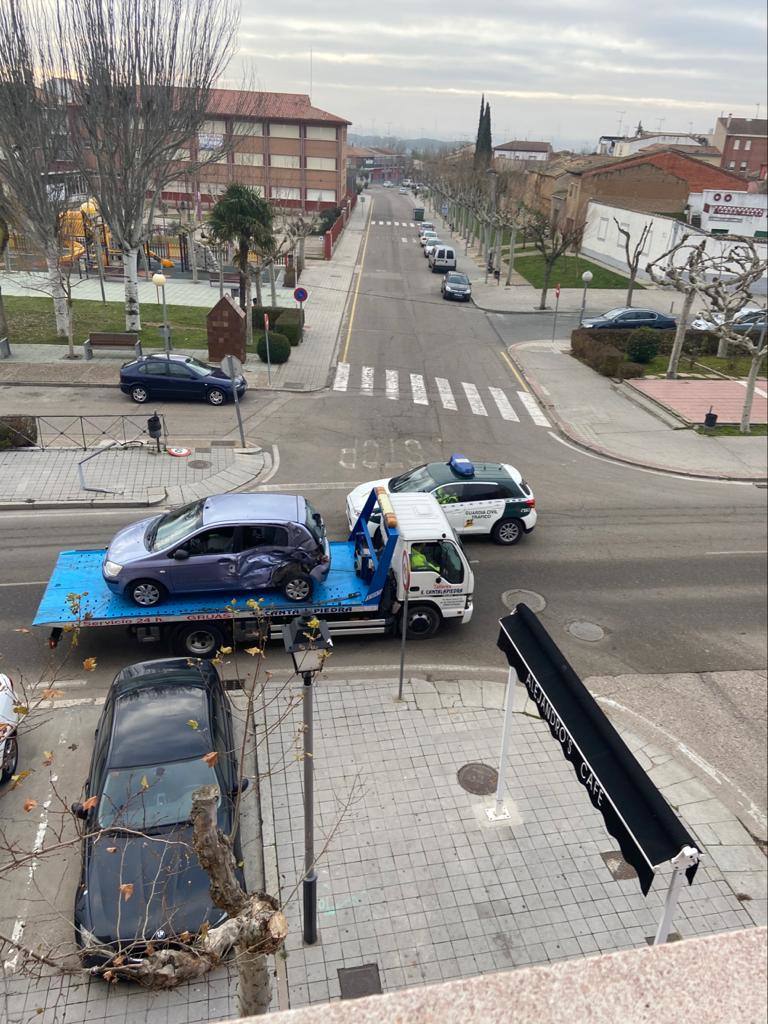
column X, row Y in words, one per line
column 508, row 531
column 10, row 759
column 298, row 587
column 139, row 394
column 216, row 396
column 145, row 593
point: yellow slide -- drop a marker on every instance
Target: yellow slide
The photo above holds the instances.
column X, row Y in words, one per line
column 166, row 264
column 75, row 253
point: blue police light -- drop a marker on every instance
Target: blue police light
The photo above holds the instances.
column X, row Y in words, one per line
column 461, row 465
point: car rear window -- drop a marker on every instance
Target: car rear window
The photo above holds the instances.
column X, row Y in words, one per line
column 314, row 526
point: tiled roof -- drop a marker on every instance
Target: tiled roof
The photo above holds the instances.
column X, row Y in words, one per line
column 745, row 125
column 288, row 106
column 518, row 145
column 696, row 173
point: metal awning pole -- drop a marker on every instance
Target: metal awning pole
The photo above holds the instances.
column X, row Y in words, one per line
column 499, row 812
column 687, row 858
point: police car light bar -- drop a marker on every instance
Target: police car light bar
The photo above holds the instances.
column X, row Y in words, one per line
column 460, row 464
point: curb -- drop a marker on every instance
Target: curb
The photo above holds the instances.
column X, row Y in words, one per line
column 566, row 430
column 523, row 312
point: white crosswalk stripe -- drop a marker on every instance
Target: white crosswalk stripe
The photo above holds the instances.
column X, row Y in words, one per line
column 418, row 389
column 366, row 382
column 393, row 384
column 341, row 380
column 532, row 409
column 446, row 395
column 380, row 223
column 389, row 223
column 503, row 405
column 474, row 399
column 397, row 223
column 411, row 225
column 403, row 239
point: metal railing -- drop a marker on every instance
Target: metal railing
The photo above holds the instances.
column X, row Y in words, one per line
column 82, row 432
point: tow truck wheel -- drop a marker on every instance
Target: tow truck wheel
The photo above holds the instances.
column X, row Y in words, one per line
column 198, row 641
column 423, row 621
column 507, row 531
column 145, row 593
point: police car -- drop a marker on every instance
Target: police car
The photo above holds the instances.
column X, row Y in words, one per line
column 477, row 498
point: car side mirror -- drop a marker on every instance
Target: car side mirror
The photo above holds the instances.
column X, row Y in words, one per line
column 181, row 554
column 318, row 518
column 241, row 786
column 79, row 811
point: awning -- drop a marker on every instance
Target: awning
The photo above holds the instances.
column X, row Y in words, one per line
column 635, row 813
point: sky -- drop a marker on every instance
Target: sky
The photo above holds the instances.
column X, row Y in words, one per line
column 566, row 71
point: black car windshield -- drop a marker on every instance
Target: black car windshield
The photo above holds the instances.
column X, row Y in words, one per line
column 153, row 796
column 613, row 313
column 457, row 279
column 418, row 479
column 175, row 526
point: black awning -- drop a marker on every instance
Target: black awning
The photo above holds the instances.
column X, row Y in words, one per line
column 635, row 813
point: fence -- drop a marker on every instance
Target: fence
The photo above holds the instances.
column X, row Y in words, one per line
column 82, row 432
column 331, row 237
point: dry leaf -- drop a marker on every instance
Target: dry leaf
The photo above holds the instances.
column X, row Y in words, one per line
column 150, row 949
column 89, row 664
column 185, row 936
column 144, row 782
column 110, row 976
column 90, row 803
column 16, row 780
column 253, row 651
column 225, row 650
column 30, row 804
column 51, row 694
column 126, row 890
column 21, row 709
column 47, row 758
column 118, row 961
column 111, row 849
column 22, row 629
column 211, row 758
column 193, row 724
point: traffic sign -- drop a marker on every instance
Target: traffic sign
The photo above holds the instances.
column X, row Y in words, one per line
column 406, row 572
column 557, row 290
column 301, row 294
column 179, row 453
column 232, row 366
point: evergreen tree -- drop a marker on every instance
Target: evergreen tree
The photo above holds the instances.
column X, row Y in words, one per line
column 480, row 124
column 484, row 144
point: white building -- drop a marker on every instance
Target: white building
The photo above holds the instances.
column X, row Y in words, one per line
column 636, row 144
column 523, row 150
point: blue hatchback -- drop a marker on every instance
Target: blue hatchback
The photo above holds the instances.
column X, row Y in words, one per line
column 177, row 376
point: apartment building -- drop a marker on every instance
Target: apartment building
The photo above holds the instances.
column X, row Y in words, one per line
column 743, row 141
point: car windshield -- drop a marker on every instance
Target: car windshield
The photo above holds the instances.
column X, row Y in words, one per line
column 198, row 368
column 152, row 796
column 458, row 279
column 314, row 525
column 175, row 526
column 418, row 479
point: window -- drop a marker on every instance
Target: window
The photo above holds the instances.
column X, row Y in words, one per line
column 449, row 494
column 321, row 163
column 219, row 540
column 439, row 557
column 250, row 159
column 213, row 127
column 731, row 165
column 481, row 492
column 281, row 192
column 247, row 128
column 324, row 132
column 620, row 237
column 321, row 195
column 279, row 160
column 181, row 154
column 284, row 131
column 748, row 144
column 737, row 143
column 156, row 368
column 264, row 536
column 743, row 165
column 179, row 370
column 602, row 229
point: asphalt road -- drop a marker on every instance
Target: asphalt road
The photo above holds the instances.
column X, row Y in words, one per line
column 672, row 570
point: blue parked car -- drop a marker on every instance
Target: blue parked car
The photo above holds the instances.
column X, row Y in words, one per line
column 177, row 376
column 627, row 319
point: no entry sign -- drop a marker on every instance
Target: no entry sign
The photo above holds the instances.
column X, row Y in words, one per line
column 301, row 294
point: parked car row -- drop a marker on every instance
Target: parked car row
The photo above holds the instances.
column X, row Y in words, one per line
column 441, row 257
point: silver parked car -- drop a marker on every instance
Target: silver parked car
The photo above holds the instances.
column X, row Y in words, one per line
column 227, row 542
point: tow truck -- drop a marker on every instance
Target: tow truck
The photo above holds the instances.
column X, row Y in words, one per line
column 400, row 543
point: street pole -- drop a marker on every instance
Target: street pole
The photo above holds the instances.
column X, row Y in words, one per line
column 309, row 885
column 586, row 277
column 96, row 229
column 499, row 812
column 554, row 319
column 266, row 344
column 166, row 326
column 403, row 635
column 231, row 366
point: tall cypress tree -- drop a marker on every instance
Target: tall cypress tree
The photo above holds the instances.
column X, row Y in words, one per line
column 480, row 124
column 484, row 144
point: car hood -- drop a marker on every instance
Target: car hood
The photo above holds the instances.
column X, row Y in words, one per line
column 128, row 544
column 357, row 498
column 170, row 895
column 457, row 287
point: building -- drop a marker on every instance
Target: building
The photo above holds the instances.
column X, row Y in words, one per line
column 643, row 140
column 292, row 153
column 735, row 213
column 743, row 142
column 375, row 163
column 523, row 150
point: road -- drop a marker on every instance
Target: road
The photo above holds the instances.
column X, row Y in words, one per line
column 671, row 570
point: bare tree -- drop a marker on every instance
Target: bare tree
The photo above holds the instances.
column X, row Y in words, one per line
column 633, row 253
column 33, row 132
column 141, row 75
column 552, row 241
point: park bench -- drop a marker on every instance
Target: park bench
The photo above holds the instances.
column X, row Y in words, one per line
column 5, row 348
column 111, row 340
column 229, row 278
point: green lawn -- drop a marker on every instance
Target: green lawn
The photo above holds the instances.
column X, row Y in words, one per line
column 735, row 366
column 31, row 320
column 567, row 271
column 732, row 430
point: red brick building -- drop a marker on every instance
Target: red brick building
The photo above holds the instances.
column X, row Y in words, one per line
column 743, row 141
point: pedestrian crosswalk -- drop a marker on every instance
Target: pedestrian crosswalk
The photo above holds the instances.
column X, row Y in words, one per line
column 394, row 223
column 481, row 400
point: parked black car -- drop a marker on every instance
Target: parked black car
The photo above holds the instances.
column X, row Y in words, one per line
column 627, row 319
column 177, row 376
column 456, row 286
column 161, row 721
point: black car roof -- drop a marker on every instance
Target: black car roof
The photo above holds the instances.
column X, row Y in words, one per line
column 444, row 474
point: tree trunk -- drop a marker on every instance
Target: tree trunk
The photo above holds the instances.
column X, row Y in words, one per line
column 58, row 292
column 272, row 288
column 631, row 286
column 259, row 296
column 254, row 990
column 545, row 288
column 722, row 348
column 677, row 344
column 3, row 318
column 754, row 369
column 193, row 259
column 248, row 314
column 131, row 272
column 511, row 255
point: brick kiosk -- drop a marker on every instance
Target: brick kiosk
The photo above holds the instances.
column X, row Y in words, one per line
column 226, row 331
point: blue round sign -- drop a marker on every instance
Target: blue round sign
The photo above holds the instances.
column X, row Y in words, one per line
column 301, row 295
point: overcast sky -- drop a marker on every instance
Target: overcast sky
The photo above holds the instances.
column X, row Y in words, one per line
column 564, row 70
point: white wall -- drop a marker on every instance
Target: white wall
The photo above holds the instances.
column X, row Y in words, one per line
column 521, row 154
column 628, row 147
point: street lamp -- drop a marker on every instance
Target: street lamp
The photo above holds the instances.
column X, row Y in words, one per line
column 308, row 641
column 158, row 280
column 586, row 277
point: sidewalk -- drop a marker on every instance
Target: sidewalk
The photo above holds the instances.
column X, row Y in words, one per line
column 417, row 882
column 602, row 416
column 328, row 284
column 130, row 476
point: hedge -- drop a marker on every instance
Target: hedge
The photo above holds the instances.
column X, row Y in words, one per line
column 697, row 342
column 18, row 432
column 643, row 345
column 279, row 347
column 605, row 358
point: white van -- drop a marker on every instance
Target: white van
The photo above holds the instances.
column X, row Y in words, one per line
column 442, row 258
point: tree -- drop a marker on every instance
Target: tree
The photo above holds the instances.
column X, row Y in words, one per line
column 140, row 73
column 633, row 253
column 243, row 218
column 33, row 131
column 483, row 145
column 552, row 241
column 5, row 235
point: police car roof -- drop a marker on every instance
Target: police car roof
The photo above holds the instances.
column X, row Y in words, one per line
column 445, row 474
column 419, row 517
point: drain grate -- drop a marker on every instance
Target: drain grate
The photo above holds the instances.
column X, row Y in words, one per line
column 618, row 867
column 199, row 464
column 357, row 982
column 478, row 779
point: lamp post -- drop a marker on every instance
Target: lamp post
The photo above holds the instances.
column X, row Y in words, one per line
column 158, row 280
column 89, row 210
column 308, row 641
column 586, row 277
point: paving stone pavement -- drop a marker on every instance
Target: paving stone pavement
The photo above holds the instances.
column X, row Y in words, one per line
column 417, row 881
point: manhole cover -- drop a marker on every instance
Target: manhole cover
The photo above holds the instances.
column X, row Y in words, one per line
column 478, row 779
column 586, row 630
column 511, row 598
column 618, row 867
column 199, row 464
column 356, row 982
